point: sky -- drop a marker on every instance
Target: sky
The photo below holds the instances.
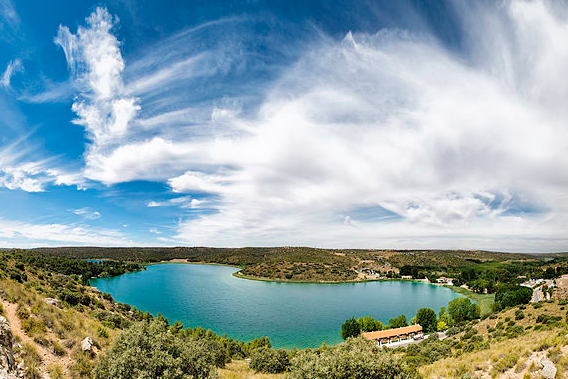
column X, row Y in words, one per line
column 416, row 124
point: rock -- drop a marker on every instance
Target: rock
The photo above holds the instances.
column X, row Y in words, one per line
column 87, row 345
column 54, row 302
column 548, row 369
column 7, row 362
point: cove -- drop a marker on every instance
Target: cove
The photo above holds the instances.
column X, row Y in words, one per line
column 290, row 314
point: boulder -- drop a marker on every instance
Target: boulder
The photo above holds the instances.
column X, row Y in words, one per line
column 548, row 369
column 7, row 362
column 54, row 302
column 87, row 345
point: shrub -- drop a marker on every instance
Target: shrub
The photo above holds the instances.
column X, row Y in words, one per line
column 22, row 312
column 453, row 331
column 354, row 358
column 102, row 332
column 519, row 315
column 147, row 350
column 269, row 361
column 57, row 348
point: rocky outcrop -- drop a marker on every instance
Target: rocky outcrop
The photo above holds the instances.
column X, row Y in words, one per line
column 87, row 345
column 54, row 302
column 7, row 362
column 548, row 369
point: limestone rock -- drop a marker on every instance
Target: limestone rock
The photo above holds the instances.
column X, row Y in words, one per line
column 548, row 369
column 7, row 362
column 54, row 302
column 87, row 345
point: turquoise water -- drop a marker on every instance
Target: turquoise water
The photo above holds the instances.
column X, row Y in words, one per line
column 290, row 314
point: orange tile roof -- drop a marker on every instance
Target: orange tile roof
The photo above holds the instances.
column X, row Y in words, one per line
column 380, row 334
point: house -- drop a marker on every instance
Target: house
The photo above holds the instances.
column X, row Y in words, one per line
column 407, row 277
column 385, row 337
column 444, row 280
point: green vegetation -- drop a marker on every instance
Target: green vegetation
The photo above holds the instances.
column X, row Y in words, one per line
column 510, row 296
column 350, row 328
column 426, row 318
column 485, row 301
column 462, row 309
column 304, row 264
column 134, row 344
column 354, row 358
column 147, row 348
column 270, row 361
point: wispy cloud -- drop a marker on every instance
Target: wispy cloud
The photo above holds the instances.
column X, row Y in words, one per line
column 12, row 68
column 24, row 234
column 87, row 213
column 412, row 144
column 182, row 202
column 18, row 172
column 94, row 58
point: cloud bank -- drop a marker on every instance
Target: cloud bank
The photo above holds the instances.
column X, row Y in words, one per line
column 384, row 140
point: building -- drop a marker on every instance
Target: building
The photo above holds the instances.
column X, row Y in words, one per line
column 385, row 337
column 407, row 277
column 444, row 280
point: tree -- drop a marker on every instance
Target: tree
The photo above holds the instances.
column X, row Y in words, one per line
column 398, row 322
column 379, row 325
column 509, row 296
column 426, row 318
column 462, row 309
column 368, row 324
column 350, row 328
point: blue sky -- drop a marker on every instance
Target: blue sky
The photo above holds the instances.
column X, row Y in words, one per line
column 372, row 124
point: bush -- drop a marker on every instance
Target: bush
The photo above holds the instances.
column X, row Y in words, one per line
column 146, row 350
column 269, row 361
column 354, row 358
column 453, row 331
column 102, row 332
column 519, row 315
column 350, row 328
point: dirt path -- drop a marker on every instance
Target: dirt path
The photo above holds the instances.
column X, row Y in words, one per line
column 47, row 356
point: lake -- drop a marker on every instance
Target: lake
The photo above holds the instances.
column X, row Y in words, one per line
column 290, row 314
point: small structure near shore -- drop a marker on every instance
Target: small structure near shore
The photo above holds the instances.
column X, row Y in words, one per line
column 385, row 337
column 446, row 281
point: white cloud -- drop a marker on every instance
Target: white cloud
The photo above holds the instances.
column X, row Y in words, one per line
column 182, row 202
column 9, row 17
column 95, row 60
column 24, row 234
column 12, row 68
column 154, row 230
column 16, row 172
column 87, row 213
column 459, row 150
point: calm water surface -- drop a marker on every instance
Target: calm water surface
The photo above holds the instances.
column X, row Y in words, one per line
column 290, row 314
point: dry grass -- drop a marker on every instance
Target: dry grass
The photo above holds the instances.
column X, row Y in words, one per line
column 513, row 357
column 240, row 370
column 52, row 332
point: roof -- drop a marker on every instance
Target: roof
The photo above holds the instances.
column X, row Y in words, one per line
column 380, row 334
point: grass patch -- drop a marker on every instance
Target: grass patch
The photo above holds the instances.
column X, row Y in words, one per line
column 485, row 301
